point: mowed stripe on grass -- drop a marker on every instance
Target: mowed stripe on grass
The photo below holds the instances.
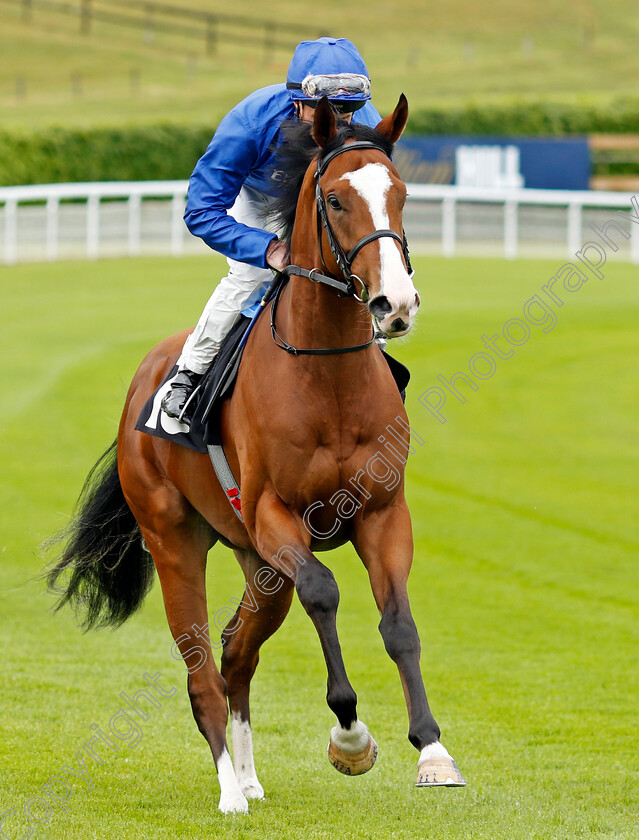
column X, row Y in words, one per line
column 523, row 586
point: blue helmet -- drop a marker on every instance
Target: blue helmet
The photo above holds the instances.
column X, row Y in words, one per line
column 329, row 67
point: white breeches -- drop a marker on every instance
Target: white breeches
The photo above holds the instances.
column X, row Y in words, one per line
column 233, row 291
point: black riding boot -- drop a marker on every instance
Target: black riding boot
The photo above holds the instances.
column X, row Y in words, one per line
column 182, row 386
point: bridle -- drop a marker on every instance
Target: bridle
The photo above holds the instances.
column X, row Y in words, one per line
column 345, row 287
column 344, row 260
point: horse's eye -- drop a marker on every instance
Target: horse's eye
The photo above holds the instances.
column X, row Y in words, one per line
column 334, row 202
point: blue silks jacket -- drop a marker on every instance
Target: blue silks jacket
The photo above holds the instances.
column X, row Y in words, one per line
column 241, row 153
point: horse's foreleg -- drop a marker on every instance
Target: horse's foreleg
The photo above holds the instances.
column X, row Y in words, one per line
column 179, row 553
column 264, row 606
column 352, row 750
column 384, row 542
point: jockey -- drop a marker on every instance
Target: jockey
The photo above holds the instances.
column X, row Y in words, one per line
column 234, row 184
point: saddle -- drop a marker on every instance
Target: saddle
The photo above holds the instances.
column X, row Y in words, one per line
column 216, row 386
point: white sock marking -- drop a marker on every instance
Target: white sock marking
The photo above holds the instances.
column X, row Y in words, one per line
column 434, row 750
column 232, row 800
column 243, row 758
column 351, row 740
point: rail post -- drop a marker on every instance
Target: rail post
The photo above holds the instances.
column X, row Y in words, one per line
column 449, row 234
column 135, row 224
column 269, row 40
column 53, row 228
column 177, row 225
column 574, row 227
column 11, row 231
column 149, row 23
column 85, row 16
column 93, row 226
column 211, row 34
column 511, row 230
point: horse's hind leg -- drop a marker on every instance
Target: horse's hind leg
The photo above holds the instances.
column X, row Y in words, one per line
column 264, row 606
column 385, row 544
column 179, row 539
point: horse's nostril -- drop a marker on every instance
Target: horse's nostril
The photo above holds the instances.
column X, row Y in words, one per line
column 399, row 325
column 380, row 306
column 417, row 300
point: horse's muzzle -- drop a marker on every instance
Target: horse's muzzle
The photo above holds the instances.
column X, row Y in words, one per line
column 393, row 319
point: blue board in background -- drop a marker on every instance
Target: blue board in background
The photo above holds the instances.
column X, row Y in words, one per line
column 550, row 163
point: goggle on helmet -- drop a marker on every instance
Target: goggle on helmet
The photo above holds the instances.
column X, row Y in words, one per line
column 346, row 92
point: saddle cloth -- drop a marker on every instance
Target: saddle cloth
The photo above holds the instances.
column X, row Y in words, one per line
column 217, row 384
column 214, row 388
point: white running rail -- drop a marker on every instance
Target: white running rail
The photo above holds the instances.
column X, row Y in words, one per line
column 55, row 221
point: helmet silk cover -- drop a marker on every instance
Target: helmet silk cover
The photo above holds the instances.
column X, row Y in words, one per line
column 329, row 67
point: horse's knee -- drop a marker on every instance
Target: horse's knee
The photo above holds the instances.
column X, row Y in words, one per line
column 233, row 651
column 399, row 633
column 238, row 665
column 317, row 589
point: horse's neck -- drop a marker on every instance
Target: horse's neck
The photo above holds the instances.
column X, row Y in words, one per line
column 314, row 314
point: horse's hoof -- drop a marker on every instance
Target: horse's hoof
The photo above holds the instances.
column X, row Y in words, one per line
column 353, row 764
column 439, row 772
column 252, row 789
column 233, row 803
column 362, row 753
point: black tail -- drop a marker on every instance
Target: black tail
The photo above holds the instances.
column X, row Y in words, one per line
column 110, row 570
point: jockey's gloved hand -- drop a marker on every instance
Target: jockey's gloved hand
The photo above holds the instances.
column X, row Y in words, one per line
column 278, row 255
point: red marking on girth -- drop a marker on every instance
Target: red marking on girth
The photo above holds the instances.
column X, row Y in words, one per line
column 234, row 498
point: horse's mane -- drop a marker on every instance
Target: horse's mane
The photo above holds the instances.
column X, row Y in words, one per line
column 294, row 154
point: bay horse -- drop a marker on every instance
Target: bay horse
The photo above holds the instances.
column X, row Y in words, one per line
column 301, row 432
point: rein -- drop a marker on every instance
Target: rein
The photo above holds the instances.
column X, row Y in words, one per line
column 308, row 351
column 346, row 287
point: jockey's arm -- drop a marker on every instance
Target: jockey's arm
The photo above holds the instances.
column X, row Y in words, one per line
column 215, row 184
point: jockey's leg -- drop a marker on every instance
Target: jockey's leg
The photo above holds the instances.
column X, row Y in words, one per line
column 222, row 310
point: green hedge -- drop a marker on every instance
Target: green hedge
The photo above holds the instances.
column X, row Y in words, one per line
column 124, row 154
column 170, row 151
column 536, row 118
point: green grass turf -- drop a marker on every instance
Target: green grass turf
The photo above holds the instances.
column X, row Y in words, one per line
column 447, row 53
column 523, row 588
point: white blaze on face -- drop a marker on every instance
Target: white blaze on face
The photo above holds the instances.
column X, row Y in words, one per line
column 372, row 183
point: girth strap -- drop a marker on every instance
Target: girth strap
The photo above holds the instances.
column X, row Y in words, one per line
column 227, row 479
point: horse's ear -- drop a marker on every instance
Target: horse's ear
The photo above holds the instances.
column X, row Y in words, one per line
column 325, row 124
column 394, row 124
